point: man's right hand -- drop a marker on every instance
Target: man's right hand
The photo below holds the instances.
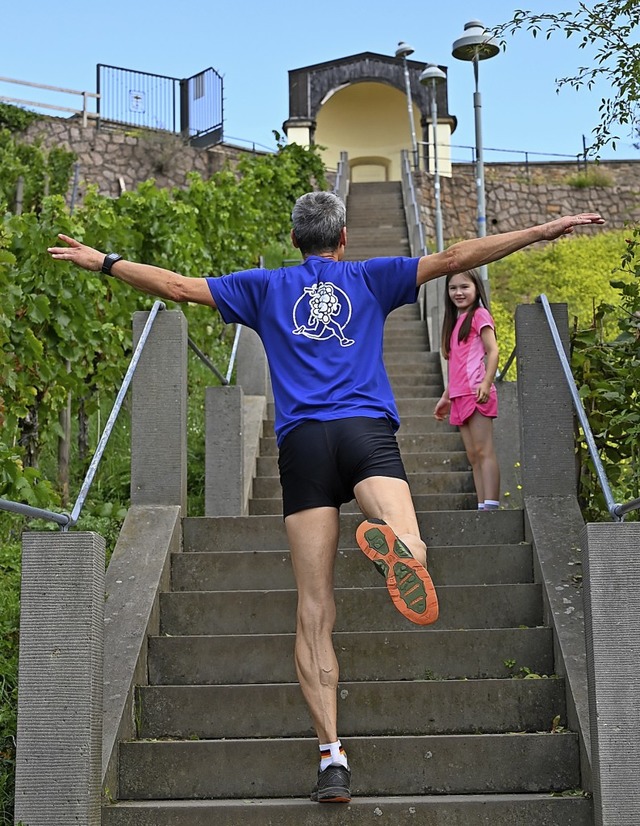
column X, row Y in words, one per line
column 566, row 224
column 79, row 254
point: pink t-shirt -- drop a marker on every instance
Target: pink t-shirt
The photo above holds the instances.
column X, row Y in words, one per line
column 466, row 358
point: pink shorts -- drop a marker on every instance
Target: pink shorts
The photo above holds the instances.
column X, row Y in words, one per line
column 463, row 407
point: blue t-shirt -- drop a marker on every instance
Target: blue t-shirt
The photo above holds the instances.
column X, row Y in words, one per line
column 322, row 323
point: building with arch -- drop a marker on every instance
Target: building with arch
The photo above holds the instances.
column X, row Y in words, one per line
column 358, row 105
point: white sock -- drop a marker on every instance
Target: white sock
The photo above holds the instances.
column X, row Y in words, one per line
column 480, row 506
column 332, row 754
column 491, row 505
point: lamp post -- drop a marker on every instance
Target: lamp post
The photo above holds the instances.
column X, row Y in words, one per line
column 476, row 45
column 403, row 51
column 431, row 77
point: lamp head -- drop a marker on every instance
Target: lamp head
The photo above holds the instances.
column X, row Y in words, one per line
column 404, row 49
column 475, row 44
column 432, row 73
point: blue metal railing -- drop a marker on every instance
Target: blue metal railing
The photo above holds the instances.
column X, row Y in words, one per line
column 65, row 520
column 617, row 511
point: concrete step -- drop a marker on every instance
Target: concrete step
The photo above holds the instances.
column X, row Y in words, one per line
column 426, row 810
column 410, row 708
column 265, row 487
column 413, row 462
column 447, row 764
column 416, row 359
column 425, row 442
column 422, row 502
column 359, row 609
column 424, row 422
column 431, row 388
column 387, row 230
column 266, row 533
column 268, row 658
column 268, row 570
column 365, row 253
column 406, row 345
column 405, row 326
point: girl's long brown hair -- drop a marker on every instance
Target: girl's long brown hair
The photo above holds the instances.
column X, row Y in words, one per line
column 451, row 311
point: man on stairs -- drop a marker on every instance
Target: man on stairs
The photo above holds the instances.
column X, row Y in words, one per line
column 322, row 324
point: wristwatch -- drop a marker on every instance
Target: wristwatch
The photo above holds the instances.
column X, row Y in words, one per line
column 109, row 261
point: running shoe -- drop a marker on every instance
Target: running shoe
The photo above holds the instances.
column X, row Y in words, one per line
column 409, row 584
column 333, row 785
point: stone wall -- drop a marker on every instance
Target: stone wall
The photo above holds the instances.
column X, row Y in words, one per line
column 117, row 159
column 519, row 196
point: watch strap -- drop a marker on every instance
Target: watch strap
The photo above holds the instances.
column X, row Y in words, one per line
column 109, row 260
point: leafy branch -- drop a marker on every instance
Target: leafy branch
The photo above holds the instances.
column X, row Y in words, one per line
column 610, row 28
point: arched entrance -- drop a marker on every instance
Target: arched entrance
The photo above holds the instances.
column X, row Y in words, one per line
column 358, row 104
column 369, row 121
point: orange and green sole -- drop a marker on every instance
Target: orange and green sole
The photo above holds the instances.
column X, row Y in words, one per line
column 409, row 584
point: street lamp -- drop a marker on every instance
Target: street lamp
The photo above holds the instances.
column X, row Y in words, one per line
column 431, row 77
column 403, row 51
column 477, row 45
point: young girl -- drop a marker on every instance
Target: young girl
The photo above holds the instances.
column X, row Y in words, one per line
column 468, row 341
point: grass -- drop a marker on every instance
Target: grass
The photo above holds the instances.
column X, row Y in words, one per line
column 592, row 177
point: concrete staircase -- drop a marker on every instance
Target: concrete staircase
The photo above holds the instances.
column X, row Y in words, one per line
column 438, row 724
column 376, row 223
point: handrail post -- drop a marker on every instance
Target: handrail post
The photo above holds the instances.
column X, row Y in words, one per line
column 60, row 687
column 611, row 587
column 159, row 413
column 547, row 436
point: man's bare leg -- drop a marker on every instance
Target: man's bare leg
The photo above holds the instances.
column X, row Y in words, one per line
column 382, row 497
column 313, row 541
column 404, row 566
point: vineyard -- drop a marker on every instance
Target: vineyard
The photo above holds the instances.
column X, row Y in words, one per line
column 65, row 336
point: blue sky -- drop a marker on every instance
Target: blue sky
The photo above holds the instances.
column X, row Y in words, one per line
column 253, row 44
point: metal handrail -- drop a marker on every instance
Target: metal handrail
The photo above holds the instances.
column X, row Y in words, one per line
column 341, row 188
column 414, row 224
column 502, row 373
column 206, row 360
column 84, row 112
column 617, row 511
column 66, row 520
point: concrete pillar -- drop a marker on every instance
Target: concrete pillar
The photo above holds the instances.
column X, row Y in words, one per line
column 612, row 625
column 546, row 412
column 60, row 689
column 159, row 413
column 252, row 369
column 224, row 491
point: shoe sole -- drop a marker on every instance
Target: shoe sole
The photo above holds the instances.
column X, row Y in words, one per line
column 335, row 794
column 340, row 797
column 409, row 584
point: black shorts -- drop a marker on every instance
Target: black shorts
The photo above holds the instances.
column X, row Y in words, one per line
column 321, row 462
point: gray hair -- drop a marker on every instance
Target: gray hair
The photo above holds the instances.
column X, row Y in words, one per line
column 318, row 219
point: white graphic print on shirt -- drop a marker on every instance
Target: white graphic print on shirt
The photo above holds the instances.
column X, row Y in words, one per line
column 327, row 311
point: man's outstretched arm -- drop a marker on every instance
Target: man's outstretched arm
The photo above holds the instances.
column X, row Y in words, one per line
column 466, row 255
column 144, row 277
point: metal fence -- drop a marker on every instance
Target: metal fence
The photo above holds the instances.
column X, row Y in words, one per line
column 190, row 106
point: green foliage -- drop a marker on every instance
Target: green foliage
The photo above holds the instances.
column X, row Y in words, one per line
column 592, row 177
column 9, row 621
column 65, row 331
column 14, row 118
column 609, row 27
column 42, row 171
column 607, row 372
column 575, row 270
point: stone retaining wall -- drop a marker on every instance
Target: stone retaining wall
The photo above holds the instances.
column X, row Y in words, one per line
column 116, row 159
column 519, row 196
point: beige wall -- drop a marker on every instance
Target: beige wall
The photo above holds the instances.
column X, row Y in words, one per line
column 370, row 121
